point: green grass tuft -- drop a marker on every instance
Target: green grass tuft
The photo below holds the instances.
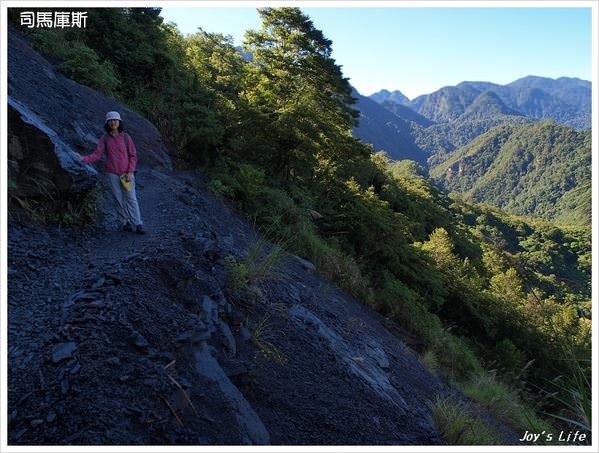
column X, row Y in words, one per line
column 503, row 402
column 430, row 361
column 459, row 427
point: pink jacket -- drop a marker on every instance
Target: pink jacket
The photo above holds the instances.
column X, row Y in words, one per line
column 117, row 160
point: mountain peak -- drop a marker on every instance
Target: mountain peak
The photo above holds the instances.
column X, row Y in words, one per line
column 393, row 96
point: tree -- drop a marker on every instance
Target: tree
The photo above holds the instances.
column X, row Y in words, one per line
column 219, row 68
column 299, row 88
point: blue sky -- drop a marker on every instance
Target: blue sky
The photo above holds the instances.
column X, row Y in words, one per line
column 419, row 50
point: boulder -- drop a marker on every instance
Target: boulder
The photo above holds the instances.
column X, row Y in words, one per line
column 40, row 162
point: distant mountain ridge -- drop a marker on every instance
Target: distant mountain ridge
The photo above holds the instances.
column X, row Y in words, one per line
column 565, row 100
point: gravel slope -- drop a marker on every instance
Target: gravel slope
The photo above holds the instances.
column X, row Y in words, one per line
column 116, row 338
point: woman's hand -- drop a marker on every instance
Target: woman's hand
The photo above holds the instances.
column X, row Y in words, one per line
column 130, row 176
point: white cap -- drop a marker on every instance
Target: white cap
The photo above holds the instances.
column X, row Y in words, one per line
column 113, row 116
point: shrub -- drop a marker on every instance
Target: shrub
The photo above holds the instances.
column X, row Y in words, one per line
column 250, row 182
column 50, row 42
column 508, row 355
column 456, row 357
column 344, row 270
column 83, row 65
column 404, row 306
column 237, row 274
column 257, row 266
column 217, row 187
column 275, row 207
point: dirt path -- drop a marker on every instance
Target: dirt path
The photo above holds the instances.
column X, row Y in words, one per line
column 48, row 268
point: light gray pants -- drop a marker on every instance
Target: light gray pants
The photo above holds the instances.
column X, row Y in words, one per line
column 127, row 207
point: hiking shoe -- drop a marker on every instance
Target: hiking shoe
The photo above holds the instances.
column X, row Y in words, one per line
column 127, row 227
column 140, row 229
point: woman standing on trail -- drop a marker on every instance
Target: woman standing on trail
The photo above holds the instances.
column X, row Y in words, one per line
column 121, row 162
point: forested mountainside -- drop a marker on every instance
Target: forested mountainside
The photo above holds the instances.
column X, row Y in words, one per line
column 496, row 305
column 540, row 170
column 439, row 140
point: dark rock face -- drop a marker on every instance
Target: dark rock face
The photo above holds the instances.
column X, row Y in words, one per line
column 75, row 112
column 37, row 154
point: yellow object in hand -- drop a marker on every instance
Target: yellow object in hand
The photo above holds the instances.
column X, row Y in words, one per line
column 126, row 182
